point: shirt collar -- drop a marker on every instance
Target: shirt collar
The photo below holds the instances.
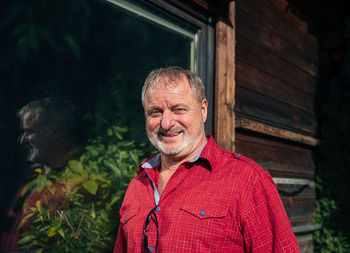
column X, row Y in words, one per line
column 206, row 153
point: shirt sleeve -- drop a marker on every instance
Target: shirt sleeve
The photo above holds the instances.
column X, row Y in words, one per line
column 120, row 244
column 266, row 227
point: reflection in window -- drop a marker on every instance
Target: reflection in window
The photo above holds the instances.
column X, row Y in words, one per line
column 96, row 55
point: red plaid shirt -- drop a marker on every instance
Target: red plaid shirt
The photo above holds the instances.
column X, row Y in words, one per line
column 221, row 202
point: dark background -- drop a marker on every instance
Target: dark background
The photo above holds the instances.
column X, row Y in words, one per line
column 91, row 53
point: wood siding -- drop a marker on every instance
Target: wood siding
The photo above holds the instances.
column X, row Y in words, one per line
column 276, row 65
column 275, row 81
column 266, row 76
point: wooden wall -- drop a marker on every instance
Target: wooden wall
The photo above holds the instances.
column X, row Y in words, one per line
column 275, row 82
column 266, row 75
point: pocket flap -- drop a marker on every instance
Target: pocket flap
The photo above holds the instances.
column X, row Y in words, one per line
column 128, row 215
column 205, row 210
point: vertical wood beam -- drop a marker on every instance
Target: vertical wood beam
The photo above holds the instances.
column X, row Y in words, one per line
column 224, row 115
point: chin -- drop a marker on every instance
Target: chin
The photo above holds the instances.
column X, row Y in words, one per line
column 174, row 149
column 34, row 157
column 170, row 151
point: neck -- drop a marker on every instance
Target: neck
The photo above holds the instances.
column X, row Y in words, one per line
column 169, row 164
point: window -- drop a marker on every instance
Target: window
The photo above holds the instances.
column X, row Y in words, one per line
column 95, row 54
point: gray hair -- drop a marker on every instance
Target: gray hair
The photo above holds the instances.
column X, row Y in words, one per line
column 172, row 76
column 49, row 111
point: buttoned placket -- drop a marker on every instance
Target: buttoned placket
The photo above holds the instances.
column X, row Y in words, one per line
column 151, row 228
column 181, row 172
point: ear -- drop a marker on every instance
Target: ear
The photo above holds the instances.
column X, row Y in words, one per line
column 204, row 110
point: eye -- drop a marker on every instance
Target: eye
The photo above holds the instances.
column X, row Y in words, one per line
column 154, row 113
column 180, row 110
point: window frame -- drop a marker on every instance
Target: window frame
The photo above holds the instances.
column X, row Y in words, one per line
column 204, row 58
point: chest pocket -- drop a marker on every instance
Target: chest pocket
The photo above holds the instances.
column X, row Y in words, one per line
column 128, row 215
column 203, row 222
column 204, row 211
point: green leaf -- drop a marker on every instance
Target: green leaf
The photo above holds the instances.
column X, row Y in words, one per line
column 119, row 136
column 26, row 239
column 133, row 157
column 51, row 231
column 90, row 186
column 61, row 232
column 104, row 215
column 76, row 166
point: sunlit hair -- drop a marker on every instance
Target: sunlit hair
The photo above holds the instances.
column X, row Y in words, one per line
column 171, row 76
column 52, row 111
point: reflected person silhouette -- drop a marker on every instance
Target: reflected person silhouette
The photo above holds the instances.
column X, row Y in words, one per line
column 49, row 132
column 51, row 139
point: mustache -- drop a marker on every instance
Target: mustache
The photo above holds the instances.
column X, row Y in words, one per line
column 162, row 131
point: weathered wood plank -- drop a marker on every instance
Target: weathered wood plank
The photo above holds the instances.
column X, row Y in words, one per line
column 301, row 221
column 268, row 38
column 264, row 109
column 280, row 159
column 275, row 131
column 254, row 79
column 262, row 59
column 271, row 18
column 300, row 207
column 305, row 243
column 288, row 12
column 224, row 125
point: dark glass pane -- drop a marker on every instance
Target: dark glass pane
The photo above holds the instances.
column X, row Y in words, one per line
column 92, row 53
column 127, row 47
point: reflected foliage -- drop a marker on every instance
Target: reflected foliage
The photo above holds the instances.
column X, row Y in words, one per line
column 89, row 220
column 38, row 46
column 86, row 51
column 333, row 206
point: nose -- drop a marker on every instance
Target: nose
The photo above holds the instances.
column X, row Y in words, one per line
column 167, row 121
column 22, row 138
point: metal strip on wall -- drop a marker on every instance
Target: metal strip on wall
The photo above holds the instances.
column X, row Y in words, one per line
column 306, row 228
column 293, row 181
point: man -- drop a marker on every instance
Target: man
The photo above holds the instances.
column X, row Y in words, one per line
column 49, row 131
column 50, row 136
column 193, row 196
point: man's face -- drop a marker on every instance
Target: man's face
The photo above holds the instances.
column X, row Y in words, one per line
column 175, row 119
column 35, row 138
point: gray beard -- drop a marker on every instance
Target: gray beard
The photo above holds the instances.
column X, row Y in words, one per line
column 187, row 140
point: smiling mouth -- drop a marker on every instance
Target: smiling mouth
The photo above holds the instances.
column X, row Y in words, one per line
column 170, row 134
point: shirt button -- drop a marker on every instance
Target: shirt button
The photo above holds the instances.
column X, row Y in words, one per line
column 202, row 213
column 238, row 155
column 125, row 219
column 157, row 208
column 150, row 249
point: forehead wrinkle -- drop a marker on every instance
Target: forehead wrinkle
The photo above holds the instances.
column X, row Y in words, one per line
column 179, row 98
column 169, row 100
